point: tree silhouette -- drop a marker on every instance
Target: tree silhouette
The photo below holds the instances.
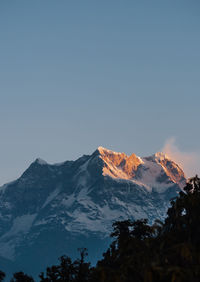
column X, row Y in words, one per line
column 68, row 271
column 21, row 277
column 62, row 272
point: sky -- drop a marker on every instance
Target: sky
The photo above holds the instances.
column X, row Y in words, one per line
column 75, row 75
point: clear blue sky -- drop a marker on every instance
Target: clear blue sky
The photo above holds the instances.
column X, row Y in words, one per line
column 78, row 74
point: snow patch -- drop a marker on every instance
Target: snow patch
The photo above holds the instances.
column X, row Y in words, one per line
column 21, row 224
column 69, row 201
column 10, row 240
column 51, row 197
column 151, row 172
column 7, row 250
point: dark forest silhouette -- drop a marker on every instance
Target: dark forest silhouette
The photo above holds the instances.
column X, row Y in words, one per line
column 165, row 251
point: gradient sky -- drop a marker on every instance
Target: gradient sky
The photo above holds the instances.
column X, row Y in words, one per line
column 78, row 74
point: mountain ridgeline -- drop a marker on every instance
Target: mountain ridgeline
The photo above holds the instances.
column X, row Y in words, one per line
column 52, row 210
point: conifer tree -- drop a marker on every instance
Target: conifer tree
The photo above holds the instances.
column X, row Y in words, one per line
column 21, row 277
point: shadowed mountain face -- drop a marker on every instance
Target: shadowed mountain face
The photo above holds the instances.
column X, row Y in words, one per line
column 52, row 210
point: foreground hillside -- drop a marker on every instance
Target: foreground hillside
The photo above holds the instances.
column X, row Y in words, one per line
column 53, row 209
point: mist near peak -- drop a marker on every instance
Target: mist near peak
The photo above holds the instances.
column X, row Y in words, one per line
column 188, row 161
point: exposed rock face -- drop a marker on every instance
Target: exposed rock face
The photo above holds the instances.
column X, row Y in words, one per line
column 119, row 164
column 54, row 209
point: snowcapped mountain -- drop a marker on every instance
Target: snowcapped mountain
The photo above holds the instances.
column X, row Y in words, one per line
column 52, row 210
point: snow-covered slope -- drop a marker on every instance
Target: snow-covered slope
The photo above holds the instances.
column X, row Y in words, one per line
column 54, row 209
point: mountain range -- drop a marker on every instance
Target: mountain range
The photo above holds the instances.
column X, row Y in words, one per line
column 53, row 209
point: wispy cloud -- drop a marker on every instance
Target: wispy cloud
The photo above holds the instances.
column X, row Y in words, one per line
column 188, row 161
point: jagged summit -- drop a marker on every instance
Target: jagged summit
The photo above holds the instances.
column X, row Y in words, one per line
column 117, row 156
column 157, row 155
column 77, row 201
column 40, row 161
column 161, row 155
column 147, row 170
column 157, row 171
column 103, row 150
column 119, row 165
